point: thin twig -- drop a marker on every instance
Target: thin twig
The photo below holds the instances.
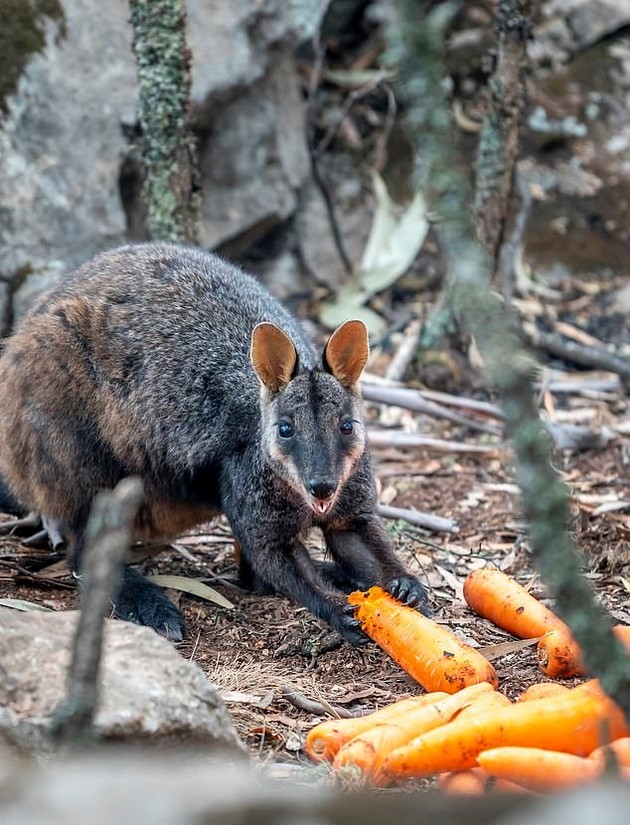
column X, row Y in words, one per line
column 481, row 407
column 380, row 145
column 344, row 111
column 310, row 140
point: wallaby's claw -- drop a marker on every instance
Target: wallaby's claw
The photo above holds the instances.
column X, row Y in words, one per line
column 350, row 629
column 349, row 609
column 409, row 591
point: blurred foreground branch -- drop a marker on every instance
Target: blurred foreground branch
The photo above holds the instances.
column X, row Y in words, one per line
column 108, row 536
column 417, row 40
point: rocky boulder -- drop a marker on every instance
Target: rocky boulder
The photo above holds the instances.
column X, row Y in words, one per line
column 148, row 691
column 70, row 115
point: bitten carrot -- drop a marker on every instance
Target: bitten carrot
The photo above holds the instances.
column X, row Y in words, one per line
column 542, row 690
column 429, row 653
column 619, row 749
column 324, row 740
column 539, row 769
column 499, row 598
column 471, row 782
column 560, row 657
column 365, row 753
column 571, row 723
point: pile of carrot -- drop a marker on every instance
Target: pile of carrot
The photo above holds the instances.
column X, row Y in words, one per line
column 533, row 744
column 463, row 729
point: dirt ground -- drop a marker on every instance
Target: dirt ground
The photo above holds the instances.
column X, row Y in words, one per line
column 267, row 645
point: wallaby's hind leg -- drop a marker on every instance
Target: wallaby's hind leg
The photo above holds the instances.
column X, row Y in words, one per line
column 364, row 553
column 140, row 601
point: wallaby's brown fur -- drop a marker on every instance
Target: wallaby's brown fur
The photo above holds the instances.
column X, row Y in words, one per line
column 168, row 363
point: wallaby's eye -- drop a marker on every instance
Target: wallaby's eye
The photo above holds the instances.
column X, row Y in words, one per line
column 285, row 430
column 346, row 427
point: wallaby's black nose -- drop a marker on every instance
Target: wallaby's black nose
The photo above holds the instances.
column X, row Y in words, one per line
column 322, row 487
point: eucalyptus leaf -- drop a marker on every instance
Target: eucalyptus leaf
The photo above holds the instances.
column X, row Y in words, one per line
column 393, row 242
column 21, row 604
column 194, row 587
column 337, row 312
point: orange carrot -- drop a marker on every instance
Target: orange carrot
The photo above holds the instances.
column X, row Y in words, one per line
column 542, row 690
column 324, row 740
column 429, row 653
column 365, row 753
column 499, row 598
column 559, row 656
column 471, row 782
column 572, row 723
column 619, row 750
column 487, row 701
column 539, row 769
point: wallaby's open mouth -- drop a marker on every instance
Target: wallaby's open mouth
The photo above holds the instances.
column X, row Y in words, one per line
column 322, row 505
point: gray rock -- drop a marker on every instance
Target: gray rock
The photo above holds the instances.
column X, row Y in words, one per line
column 255, row 159
column 148, row 691
column 568, row 26
column 234, row 44
column 62, row 142
column 354, row 218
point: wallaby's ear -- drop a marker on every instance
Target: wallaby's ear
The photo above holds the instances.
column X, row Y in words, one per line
column 347, row 352
column 273, row 356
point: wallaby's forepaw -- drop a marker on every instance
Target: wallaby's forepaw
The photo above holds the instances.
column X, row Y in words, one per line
column 142, row 602
column 409, row 591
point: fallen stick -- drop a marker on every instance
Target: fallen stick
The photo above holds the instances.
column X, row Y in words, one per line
column 385, row 438
column 569, row 350
column 438, row 524
column 413, row 400
column 482, row 407
column 302, row 702
column 405, row 352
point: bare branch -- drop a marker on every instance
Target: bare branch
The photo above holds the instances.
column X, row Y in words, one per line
column 108, row 536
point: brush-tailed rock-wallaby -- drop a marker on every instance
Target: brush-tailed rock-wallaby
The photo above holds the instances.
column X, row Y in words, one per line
column 168, row 363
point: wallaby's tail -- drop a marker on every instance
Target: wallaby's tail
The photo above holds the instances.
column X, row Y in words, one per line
column 7, row 503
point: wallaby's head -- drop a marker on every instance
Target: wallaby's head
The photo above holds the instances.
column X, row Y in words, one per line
column 312, row 424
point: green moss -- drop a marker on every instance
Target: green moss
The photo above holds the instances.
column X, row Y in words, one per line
column 168, row 150
column 22, row 33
